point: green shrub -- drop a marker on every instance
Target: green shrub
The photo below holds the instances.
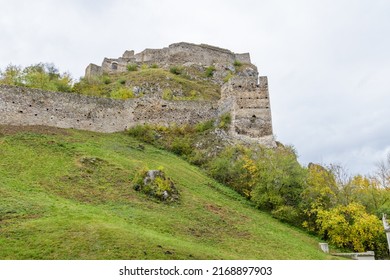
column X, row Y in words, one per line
column 122, row 93
column 143, row 132
column 289, row 214
column 225, row 120
column 203, row 126
column 279, row 179
column 167, row 94
column 238, row 66
column 237, row 63
column 132, row 67
column 139, row 176
column 106, row 80
column 177, row 70
column 209, row 72
column 225, row 166
column 198, row 157
column 154, row 66
column 228, row 76
column 181, row 146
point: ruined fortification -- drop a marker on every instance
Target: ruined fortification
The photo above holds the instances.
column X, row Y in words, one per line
column 245, row 96
column 175, row 54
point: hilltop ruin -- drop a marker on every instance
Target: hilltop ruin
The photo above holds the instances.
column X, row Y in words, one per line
column 244, row 96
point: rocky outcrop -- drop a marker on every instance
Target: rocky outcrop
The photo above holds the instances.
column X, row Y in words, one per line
column 156, row 184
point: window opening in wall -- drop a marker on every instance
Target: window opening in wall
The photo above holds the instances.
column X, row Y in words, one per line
column 114, row 66
column 253, row 119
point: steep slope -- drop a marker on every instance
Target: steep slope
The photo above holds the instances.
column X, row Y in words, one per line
column 67, row 194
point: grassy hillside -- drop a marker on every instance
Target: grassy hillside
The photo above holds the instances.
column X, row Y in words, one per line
column 67, row 194
column 187, row 83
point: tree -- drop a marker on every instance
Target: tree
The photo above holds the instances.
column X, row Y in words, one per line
column 343, row 182
column 42, row 75
column 368, row 192
column 320, row 193
column 279, row 183
column 352, row 227
column 382, row 173
column 11, row 76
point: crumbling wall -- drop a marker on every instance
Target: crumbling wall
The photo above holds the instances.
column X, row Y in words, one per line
column 175, row 54
column 248, row 102
column 159, row 111
column 24, row 106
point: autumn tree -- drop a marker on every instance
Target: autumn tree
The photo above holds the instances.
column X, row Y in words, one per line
column 320, row 193
column 352, row 227
column 368, row 192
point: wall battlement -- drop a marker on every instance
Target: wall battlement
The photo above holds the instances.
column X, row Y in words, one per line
column 245, row 97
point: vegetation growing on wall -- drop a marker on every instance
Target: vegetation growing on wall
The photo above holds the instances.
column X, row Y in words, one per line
column 170, row 85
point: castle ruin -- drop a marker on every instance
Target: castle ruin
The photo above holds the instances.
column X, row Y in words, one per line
column 245, row 96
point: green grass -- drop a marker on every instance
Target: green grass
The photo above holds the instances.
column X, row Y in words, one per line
column 67, row 194
column 153, row 80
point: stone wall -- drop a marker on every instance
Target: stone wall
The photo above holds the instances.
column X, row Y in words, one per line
column 247, row 100
column 158, row 111
column 23, row 106
column 174, row 54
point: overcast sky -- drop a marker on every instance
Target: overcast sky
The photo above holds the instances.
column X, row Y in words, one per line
column 327, row 62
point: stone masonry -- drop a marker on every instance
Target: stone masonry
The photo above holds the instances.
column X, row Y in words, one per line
column 175, row 54
column 23, row 106
column 245, row 96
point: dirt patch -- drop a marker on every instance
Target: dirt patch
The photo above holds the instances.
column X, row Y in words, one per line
column 213, row 208
column 41, row 129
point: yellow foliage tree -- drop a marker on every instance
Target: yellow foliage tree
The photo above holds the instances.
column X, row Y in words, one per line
column 320, row 193
column 351, row 227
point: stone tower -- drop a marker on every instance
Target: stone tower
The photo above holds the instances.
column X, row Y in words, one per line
column 246, row 98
